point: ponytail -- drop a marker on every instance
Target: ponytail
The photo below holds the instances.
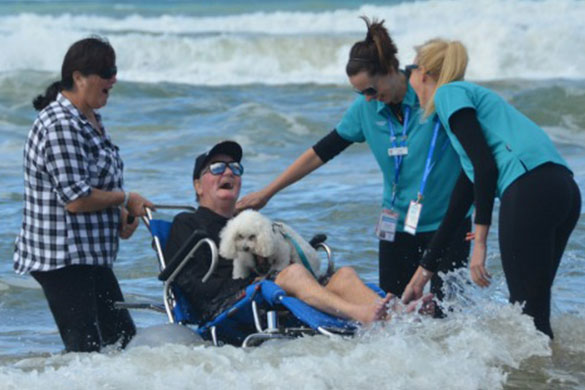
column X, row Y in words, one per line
column 42, row 101
column 444, row 61
column 376, row 54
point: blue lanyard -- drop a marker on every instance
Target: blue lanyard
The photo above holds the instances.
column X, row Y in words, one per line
column 398, row 159
column 429, row 164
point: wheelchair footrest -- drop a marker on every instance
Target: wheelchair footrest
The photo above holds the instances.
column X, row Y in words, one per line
column 159, row 308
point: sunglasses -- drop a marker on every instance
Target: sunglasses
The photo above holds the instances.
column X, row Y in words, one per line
column 371, row 91
column 108, row 73
column 409, row 68
column 218, row 168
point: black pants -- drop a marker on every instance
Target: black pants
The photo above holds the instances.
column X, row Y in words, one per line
column 81, row 298
column 538, row 212
column 399, row 260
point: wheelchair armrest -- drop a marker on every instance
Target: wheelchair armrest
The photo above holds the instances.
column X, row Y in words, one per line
column 317, row 239
column 189, row 257
column 185, row 253
column 168, row 296
column 330, row 262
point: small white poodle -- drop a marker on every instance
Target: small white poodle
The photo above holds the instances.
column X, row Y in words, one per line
column 255, row 243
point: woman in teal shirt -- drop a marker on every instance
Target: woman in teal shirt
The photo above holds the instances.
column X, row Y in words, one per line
column 506, row 155
column 416, row 160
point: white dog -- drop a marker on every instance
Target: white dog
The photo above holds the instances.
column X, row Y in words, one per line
column 257, row 244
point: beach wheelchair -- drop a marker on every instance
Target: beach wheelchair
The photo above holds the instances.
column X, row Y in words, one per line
column 264, row 312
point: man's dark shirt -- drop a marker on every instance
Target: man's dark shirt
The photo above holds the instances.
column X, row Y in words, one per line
column 206, row 297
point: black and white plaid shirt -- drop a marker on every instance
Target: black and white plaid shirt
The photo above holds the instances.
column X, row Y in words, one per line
column 64, row 158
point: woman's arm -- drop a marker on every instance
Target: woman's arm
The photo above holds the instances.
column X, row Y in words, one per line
column 328, row 147
column 467, row 129
column 459, row 204
column 100, row 200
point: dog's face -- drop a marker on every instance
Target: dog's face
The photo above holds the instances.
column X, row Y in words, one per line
column 250, row 235
column 247, row 243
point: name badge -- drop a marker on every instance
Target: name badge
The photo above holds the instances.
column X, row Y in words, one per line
column 386, row 227
column 412, row 217
column 398, row 151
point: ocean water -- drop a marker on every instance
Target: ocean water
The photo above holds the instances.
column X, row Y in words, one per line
column 270, row 74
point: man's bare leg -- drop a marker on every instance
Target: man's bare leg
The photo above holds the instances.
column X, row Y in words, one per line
column 298, row 282
column 346, row 283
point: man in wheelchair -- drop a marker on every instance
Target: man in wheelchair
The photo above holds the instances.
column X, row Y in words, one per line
column 217, row 179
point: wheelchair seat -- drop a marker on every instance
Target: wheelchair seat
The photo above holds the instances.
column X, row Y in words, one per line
column 264, row 312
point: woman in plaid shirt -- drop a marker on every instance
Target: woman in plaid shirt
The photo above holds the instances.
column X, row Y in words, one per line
column 75, row 206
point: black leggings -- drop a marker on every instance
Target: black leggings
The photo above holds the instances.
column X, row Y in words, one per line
column 81, row 298
column 538, row 212
column 399, row 260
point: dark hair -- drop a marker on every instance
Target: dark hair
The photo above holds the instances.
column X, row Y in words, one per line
column 376, row 54
column 88, row 56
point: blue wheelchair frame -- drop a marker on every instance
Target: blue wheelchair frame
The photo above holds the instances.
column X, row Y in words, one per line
column 264, row 312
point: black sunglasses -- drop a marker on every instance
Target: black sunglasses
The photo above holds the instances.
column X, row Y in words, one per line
column 371, row 91
column 409, row 68
column 218, row 168
column 108, row 73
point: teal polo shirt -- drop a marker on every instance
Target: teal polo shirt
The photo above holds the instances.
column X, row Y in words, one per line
column 517, row 143
column 368, row 122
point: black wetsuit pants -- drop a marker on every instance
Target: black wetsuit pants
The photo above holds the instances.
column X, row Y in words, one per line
column 538, row 212
column 399, row 260
column 81, row 298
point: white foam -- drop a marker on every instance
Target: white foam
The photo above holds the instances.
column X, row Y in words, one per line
column 506, row 39
column 159, row 335
column 468, row 351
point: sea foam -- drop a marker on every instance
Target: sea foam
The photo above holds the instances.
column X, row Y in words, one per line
column 506, row 39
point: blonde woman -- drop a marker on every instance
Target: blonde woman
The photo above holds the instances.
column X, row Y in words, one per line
column 415, row 159
column 503, row 154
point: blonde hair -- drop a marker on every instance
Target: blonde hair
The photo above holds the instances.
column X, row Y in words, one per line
column 444, row 61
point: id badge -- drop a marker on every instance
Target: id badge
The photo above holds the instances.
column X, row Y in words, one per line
column 386, row 227
column 412, row 217
column 398, row 151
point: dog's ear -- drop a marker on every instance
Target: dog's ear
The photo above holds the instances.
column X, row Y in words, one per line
column 227, row 246
column 277, row 228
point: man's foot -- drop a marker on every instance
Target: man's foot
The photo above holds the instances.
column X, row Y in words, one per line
column 375, row 312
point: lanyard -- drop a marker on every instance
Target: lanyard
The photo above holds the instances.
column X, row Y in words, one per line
column 429, row 164
column 398, row 159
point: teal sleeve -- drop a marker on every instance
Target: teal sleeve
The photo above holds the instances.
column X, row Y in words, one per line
column 451, row 98
column 350, row 127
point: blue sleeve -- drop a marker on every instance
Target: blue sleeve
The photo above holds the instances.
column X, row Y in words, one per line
column 350, row 127
column 451, row 98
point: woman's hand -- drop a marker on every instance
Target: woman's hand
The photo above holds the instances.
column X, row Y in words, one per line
column 136, row 205
column 255, row 200
column 414, row 289
column 127, row 229
column 479, row 274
